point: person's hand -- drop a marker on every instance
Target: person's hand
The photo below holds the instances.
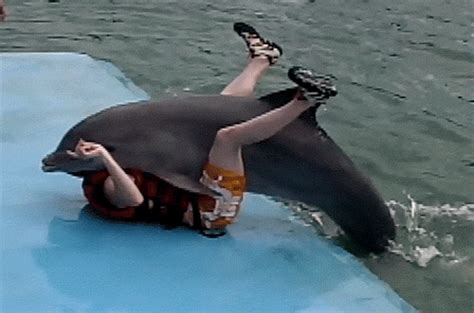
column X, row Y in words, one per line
column 87, row 150
column 3, row 11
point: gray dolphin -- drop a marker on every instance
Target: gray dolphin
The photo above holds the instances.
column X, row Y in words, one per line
column 171, row 139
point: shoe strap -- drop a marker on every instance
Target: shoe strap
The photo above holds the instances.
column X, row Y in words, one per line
column 265, row 48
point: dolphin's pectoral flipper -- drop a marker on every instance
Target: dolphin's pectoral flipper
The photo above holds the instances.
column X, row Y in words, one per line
column 183, row 182
column 279, row 98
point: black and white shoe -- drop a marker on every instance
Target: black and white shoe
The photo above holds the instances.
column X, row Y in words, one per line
column 315, row 88
column 257, row 45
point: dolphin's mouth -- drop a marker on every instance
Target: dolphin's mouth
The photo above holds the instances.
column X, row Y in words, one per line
column 48, row 168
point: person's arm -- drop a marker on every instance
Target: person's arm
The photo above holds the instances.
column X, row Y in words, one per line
column 119, row 187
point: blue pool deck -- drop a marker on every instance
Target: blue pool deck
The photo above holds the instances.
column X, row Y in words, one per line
column 58, row 257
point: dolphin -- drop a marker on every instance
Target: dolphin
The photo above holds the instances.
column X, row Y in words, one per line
column 172, row 138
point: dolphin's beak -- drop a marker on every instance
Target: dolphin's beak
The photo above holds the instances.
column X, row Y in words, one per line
column 47, row 166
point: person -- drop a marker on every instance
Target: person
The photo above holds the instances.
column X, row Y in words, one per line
column 130, row 193
column 3, row 11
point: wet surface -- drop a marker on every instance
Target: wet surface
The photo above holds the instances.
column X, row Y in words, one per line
column 58, row 256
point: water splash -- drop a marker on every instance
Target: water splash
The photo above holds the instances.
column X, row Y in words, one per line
column 424, row 232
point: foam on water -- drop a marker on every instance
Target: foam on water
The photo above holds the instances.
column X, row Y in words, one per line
column 423, row 231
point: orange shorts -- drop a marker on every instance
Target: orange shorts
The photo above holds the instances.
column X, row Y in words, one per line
column 219, row 211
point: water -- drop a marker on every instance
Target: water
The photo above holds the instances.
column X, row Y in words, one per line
column 404, row 71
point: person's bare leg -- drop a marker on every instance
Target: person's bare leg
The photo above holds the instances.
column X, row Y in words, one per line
column 262, row 54
column 226, row 151
column 227, row 147
column 244, row 84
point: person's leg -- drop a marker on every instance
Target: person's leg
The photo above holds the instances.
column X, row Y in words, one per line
column 244, row 84
column 227, row 147
column 226, row 150
column 3, row 11
column 262, row 54
column 225, row 170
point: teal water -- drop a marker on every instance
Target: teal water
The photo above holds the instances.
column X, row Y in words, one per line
column 404, row 113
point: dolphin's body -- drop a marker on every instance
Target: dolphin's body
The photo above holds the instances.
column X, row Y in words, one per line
column 172, row 139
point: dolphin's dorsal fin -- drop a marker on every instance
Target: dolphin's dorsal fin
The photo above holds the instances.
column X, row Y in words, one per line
column 282, row 97
column 279, row 98
column 310, row 115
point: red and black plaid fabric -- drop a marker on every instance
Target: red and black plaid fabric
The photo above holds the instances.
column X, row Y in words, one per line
column 162, row 203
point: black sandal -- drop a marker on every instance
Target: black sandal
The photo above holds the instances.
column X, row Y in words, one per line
column 315, row 88
column 257, row 45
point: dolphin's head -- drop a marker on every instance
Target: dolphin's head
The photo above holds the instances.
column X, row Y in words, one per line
column 60, row 161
